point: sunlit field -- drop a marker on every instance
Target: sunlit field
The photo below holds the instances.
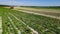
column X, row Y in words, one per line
column 16, row 22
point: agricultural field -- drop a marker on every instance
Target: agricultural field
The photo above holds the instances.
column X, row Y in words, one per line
column 53, row 12
column 44, row 8
column 18, row 22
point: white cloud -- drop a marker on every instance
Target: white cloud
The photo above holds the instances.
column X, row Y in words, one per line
column 9, row 2
column 12, row 2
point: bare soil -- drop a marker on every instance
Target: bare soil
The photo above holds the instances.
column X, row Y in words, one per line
column 0, row 25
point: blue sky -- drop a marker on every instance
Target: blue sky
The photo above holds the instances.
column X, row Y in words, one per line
column 31, row 2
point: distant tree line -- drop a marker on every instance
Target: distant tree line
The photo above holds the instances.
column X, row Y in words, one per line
column 4, row 5
column 42, row 6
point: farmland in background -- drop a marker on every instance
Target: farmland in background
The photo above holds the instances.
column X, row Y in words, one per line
column 48, row 11
column 45, row 8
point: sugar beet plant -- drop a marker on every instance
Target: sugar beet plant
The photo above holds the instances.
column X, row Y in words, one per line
column 18, row 22
column 43, row 25
column 13, row 26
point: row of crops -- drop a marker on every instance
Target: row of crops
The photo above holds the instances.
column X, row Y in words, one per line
column 15, row 22
column 13, row 26
column 43, row 25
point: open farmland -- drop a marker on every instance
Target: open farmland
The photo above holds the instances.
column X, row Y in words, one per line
column 18, row 22
column 43, row 7
column 52, row 12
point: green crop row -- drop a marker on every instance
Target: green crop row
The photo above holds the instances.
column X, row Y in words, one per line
column 14, row 26
column 41, row 24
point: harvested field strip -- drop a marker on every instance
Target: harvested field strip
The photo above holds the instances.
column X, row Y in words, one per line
column 48, row 13
column 42, row 14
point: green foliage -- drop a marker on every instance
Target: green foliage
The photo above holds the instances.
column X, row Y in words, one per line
column 42, row 24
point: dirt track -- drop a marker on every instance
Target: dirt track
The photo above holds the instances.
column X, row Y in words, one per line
column 0, row 25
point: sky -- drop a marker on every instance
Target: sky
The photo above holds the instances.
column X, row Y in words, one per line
column 31, row 2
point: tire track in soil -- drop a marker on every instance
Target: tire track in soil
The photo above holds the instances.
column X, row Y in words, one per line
column 0, row 25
